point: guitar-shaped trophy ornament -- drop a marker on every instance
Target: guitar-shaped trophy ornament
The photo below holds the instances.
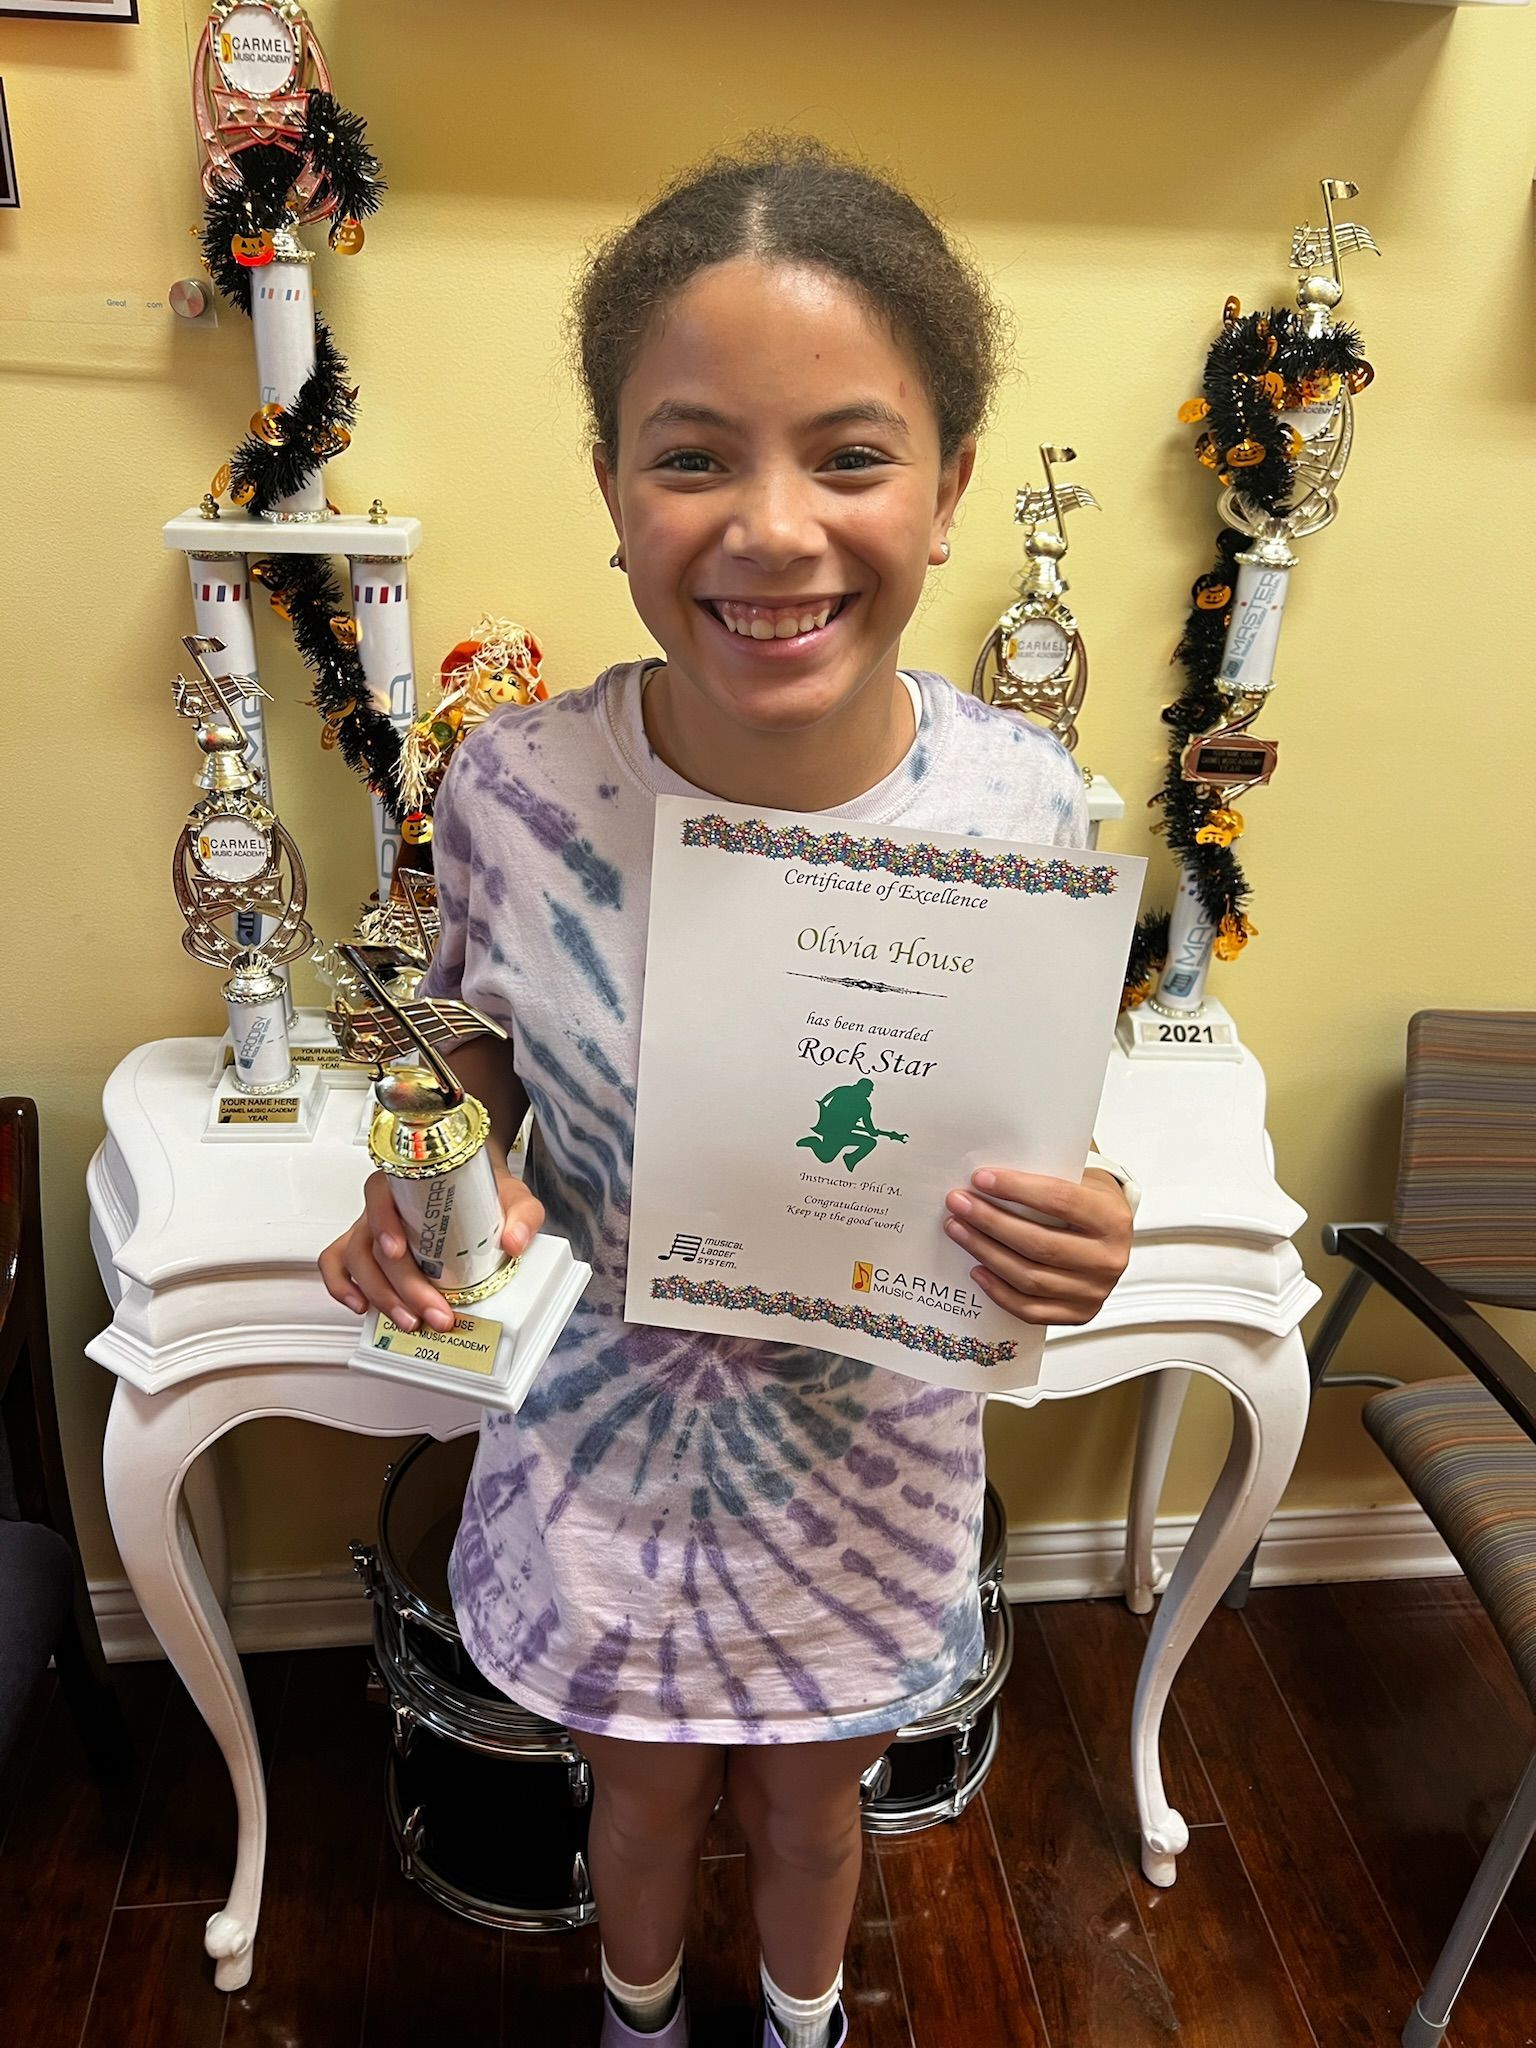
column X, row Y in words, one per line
column 429, row 1136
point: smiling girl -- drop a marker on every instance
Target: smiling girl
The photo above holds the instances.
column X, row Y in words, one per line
column 730, row 1566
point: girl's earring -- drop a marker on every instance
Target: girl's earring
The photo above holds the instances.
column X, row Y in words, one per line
column 616, row 559
column 943, row 550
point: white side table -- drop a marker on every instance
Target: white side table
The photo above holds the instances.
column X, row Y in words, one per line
column 219, row 1316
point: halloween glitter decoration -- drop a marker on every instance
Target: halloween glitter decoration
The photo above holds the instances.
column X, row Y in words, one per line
column 1277, row 426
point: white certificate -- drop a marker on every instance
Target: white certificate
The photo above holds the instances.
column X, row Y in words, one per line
column 839, row 1026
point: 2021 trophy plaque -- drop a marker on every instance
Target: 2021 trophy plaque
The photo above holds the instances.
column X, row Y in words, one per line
column 429, row 1136
column 234, row 863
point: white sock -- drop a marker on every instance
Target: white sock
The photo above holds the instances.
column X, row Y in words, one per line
column 645, row 2007
column 801, row 2022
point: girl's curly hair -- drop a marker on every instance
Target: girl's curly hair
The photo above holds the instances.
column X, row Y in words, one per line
column 793, row 199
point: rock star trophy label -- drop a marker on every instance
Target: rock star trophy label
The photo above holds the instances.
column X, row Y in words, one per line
column 235, row 865
column 429, row 1136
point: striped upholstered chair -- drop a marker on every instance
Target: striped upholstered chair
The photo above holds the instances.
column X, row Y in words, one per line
column 1463, row 1229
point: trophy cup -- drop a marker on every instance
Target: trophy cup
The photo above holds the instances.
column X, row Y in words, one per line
column 234, row 861
column 1313, row 417
column 1034, row 660
column 429, row 1136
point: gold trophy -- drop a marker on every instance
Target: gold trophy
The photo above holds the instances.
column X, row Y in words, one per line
column 429, row 1136
column 1034, row 660
column 235, row 863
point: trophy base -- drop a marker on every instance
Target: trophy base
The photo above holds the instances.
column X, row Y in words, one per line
column 1208, row 1033
column 288, row 1117
column 494, row 1351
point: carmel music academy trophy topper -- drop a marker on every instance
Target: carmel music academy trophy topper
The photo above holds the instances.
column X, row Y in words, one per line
column 234, row 861
column 429, row 1136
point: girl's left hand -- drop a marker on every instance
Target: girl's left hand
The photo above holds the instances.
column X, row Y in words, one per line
column 1055, row 1273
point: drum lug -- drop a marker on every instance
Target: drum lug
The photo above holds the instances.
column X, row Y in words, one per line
column 579, row 1779
column 404, row 1728
column 991, row 1596
column 364, row 1563
column 411, row 1831
column 876, row 1781
column 375, row 1691
column 581, row 1884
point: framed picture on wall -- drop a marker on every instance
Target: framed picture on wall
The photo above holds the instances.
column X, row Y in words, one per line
column 9, row 196
column 76, row 10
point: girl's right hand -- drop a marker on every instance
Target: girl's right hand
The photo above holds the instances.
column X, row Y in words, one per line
column 369, row 1267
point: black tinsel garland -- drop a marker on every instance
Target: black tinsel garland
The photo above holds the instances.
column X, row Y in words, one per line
column 252, row 203
column 253, row 199
column 304, row 589
column 1253, row 365
column 336, row 145
column 313, row 428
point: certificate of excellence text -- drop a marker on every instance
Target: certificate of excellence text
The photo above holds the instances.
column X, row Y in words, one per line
column 840, row 1025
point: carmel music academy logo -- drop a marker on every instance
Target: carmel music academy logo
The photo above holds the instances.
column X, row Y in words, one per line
column 869, row 1278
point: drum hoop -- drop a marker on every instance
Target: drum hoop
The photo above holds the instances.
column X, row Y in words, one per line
column 968, row 1705
column 906, row 1817
column 457, row 1718
column 512, row 1919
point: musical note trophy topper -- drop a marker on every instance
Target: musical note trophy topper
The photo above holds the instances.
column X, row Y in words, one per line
column 234, row 860
column 429, row 1136
column 1034, row 659
column 1228, row 759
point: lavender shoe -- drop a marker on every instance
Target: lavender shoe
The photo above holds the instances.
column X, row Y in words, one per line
column 767, row 2035
column 673, row 2035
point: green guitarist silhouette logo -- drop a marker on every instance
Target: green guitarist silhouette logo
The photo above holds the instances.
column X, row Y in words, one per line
column 844, row 1124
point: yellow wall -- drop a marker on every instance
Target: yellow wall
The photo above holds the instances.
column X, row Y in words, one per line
column 1120, row 166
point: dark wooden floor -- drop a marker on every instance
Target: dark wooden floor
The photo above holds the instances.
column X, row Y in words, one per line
column 1341, row 1754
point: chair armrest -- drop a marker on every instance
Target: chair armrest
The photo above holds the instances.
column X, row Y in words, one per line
column 1443, row 1312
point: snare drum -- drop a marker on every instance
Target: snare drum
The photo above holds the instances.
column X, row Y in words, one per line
column 488, row 1803
column 935, row 1766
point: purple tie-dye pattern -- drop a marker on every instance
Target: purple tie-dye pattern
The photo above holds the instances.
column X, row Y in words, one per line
column 684, row 1537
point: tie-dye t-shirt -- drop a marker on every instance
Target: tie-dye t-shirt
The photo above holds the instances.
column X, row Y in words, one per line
column 681, row 1536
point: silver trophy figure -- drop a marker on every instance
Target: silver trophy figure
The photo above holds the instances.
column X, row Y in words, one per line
column 235, row 863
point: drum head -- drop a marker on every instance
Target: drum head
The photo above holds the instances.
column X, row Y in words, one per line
column 419, row 1519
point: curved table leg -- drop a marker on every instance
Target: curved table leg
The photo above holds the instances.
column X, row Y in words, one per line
column 205, row 1502
column 1269, row 1416
column 150, row 1442
column 1162, row 1403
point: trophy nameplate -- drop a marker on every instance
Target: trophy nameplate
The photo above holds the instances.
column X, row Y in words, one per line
column 1225, row 763
column 428, row 1136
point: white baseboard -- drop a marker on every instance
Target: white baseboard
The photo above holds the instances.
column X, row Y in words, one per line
column 267, row 1611
column 1064, row 1561
column 1302, row 1547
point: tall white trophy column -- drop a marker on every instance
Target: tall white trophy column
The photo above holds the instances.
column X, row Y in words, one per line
column 221, row 605
column 283, row 323
column 381, row 604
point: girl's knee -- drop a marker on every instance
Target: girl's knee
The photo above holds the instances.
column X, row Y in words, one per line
column 651, row 1803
